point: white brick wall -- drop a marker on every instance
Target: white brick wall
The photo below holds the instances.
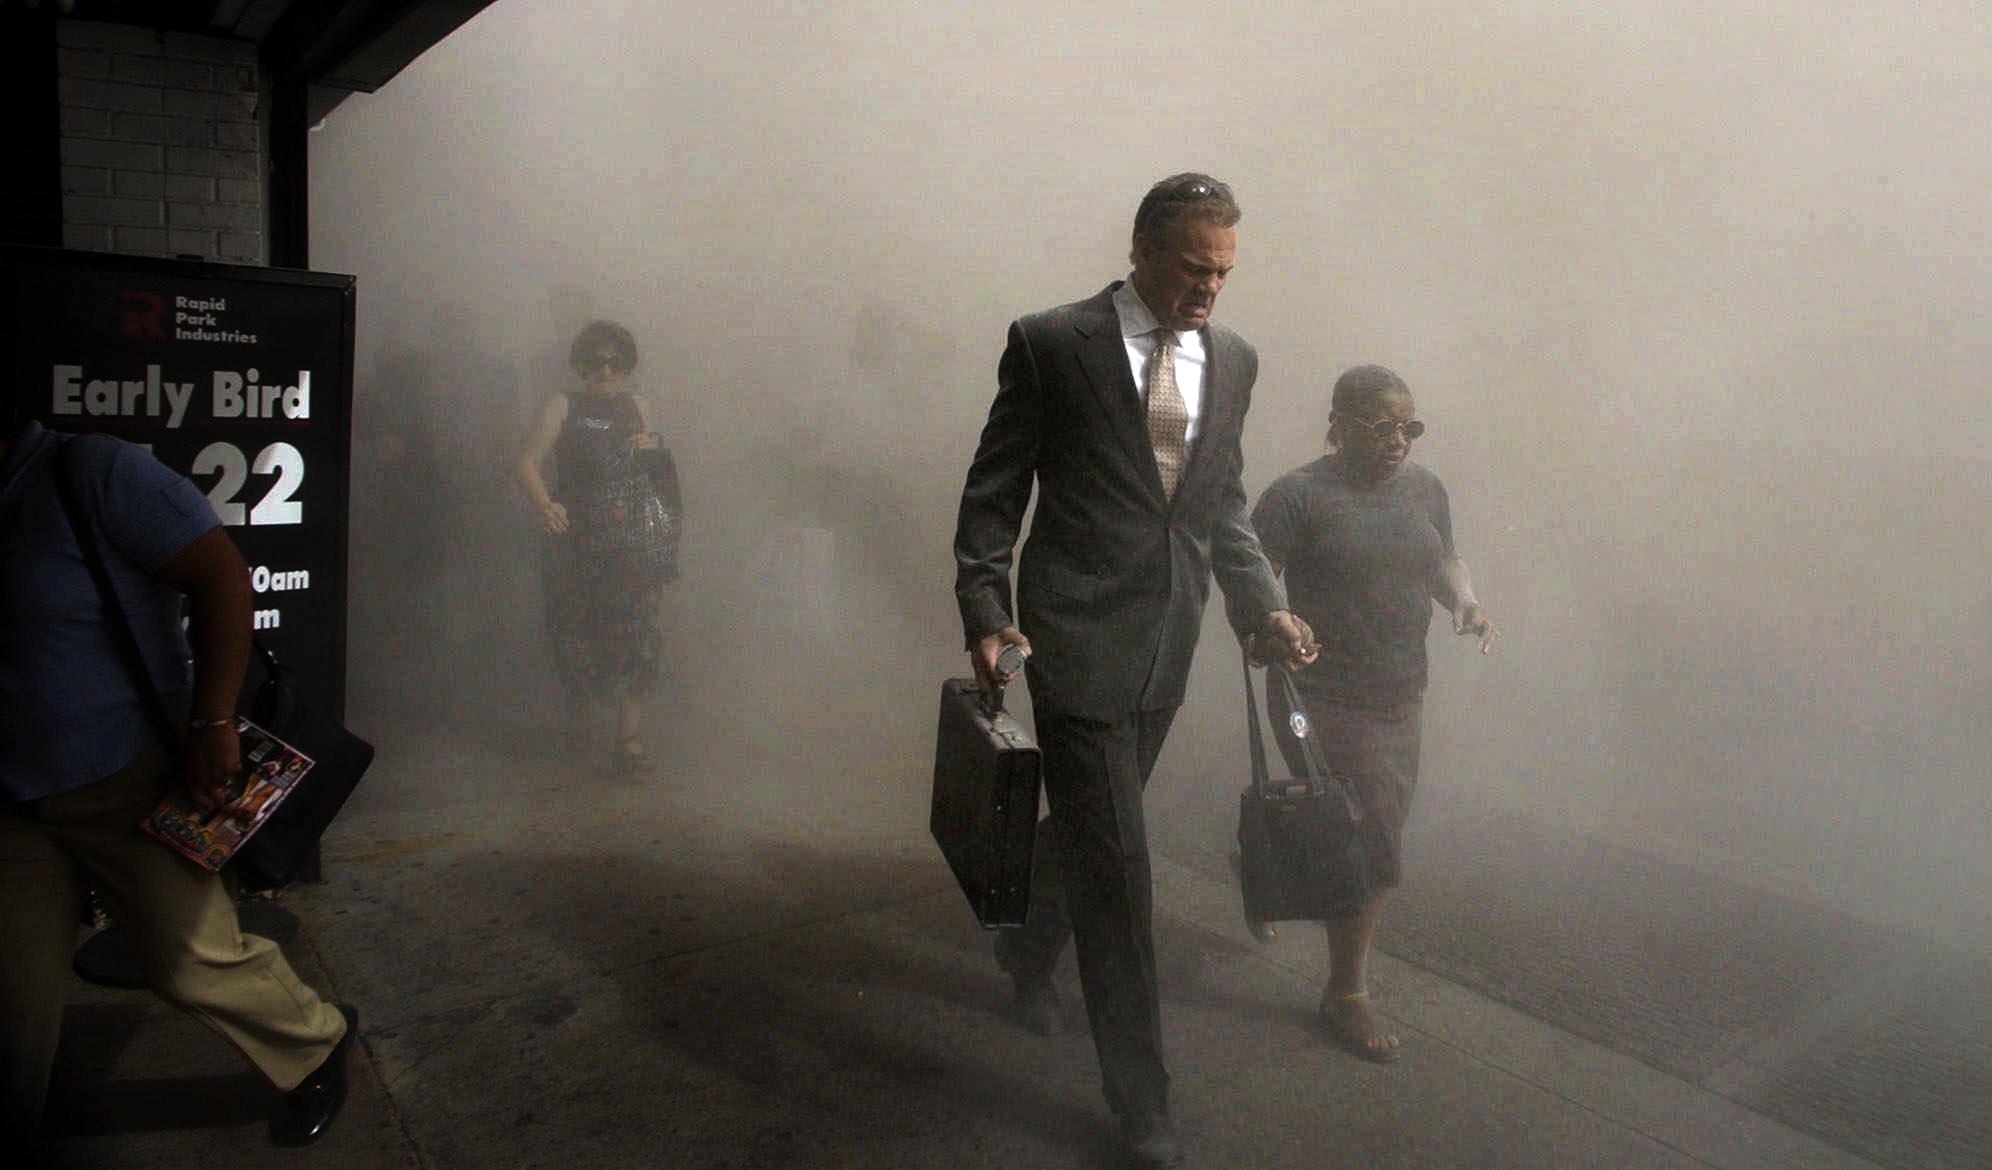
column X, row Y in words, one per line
column 161, row 143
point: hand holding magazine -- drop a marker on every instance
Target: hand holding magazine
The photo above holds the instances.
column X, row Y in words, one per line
column 271, row 768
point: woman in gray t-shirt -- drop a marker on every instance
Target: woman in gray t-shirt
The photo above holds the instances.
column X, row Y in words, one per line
column 1364, row 539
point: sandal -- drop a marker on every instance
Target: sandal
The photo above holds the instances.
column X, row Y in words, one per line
column 629, row 758
column 1357, row 1027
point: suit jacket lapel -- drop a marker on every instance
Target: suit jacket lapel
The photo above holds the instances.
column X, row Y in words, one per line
column 1103, row 356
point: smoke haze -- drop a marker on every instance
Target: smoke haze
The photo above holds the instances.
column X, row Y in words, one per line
column 1696, row 305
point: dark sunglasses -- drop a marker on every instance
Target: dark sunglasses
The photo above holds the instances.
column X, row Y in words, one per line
column 1194, row 191
column 1381, row 429
column 612, row 360
column 1197, row 189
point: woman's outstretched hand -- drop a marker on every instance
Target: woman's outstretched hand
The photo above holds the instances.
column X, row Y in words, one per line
column 1471, row 619
column 556, row 517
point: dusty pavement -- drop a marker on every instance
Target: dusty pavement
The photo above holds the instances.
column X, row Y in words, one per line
column 739, row 963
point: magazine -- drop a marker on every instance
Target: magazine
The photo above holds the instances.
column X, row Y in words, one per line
column 270, row 769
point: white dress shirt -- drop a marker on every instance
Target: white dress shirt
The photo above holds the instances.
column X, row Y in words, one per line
column 1138, row 327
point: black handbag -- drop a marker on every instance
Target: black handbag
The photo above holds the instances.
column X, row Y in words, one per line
column 282, row 844
column 1299, row 840
column 634, row 515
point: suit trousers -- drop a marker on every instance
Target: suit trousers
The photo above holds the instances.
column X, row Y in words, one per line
column 1091, row 882
column 182, row 925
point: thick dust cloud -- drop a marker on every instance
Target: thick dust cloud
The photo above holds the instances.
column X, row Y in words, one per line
column 1696, row 307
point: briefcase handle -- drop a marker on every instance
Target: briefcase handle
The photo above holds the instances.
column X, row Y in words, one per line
column 1318, row 775
column 992, row 703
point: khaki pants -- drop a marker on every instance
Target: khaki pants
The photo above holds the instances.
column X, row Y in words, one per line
column 182, row 927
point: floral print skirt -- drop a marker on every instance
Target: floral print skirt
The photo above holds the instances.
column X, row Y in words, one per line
column 602, row 617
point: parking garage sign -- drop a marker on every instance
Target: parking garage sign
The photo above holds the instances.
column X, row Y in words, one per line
column 238, row 378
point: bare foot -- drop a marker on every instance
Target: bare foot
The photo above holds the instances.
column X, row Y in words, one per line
column 1357, row 1026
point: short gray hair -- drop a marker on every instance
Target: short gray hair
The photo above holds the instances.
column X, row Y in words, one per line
column 1180, row 197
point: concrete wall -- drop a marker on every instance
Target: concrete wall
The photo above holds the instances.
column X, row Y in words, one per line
column 162, row 143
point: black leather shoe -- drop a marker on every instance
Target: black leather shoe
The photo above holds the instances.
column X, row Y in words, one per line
column 310, row 1108
column 1036, row 1006
column 1151, row 1141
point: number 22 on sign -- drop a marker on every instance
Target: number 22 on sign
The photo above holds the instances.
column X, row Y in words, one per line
column 276, row 506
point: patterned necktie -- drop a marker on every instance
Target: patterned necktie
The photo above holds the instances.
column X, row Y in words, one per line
column 1168, row 418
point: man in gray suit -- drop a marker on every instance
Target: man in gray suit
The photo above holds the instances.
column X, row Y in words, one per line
column 1125, row 411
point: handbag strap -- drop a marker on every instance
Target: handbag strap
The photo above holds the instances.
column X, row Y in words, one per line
column 1318, row 772
column 119, row 622
column 1259, row 777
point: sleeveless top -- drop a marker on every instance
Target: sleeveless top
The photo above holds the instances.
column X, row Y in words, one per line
column 593, row 446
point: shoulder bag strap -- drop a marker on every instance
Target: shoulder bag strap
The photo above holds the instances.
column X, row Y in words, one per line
column 1318, row 772
column 1310, row 748
column 1260, row 778
column 114, row 615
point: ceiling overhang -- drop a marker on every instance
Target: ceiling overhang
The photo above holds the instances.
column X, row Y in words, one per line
column 332, row 47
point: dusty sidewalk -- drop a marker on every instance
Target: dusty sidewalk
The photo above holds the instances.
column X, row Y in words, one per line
column 719, row 969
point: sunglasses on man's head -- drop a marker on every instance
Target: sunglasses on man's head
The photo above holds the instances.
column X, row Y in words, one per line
column 1383, row 428
column 1194, row 191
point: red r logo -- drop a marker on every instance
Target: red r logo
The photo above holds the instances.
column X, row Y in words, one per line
column 142, row 314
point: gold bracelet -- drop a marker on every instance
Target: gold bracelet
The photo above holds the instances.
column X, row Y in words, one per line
column 204, row 724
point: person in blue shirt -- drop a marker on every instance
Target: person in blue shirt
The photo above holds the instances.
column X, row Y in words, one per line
column 81, row 766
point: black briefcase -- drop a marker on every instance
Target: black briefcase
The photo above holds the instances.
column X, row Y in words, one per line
column 986, row 779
